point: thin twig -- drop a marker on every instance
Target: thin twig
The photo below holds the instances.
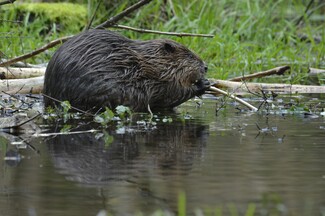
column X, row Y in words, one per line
column 17, row 98
column 63, row 133
column 93, row 16
column 278, row 71
column 114, row 19
column 214, row 89
column 160, row 32
column 72, row 107
column 151, row 114
column 7, row 2
column 35, row 52
column 26, row 121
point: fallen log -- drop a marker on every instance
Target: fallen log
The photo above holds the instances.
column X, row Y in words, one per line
column 35, row 86
column 22, row 86
column 20, row 73
column 244, row 88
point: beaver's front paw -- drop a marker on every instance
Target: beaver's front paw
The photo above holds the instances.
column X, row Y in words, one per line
column 202, row 85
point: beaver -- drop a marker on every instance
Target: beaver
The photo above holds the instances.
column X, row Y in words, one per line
column 100, row 68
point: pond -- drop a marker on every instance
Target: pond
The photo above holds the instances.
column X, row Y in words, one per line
column 224, row 162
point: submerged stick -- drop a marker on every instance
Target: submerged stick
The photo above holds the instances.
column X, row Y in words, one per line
column 214, row 89
column 278, row 71
column 63, row 133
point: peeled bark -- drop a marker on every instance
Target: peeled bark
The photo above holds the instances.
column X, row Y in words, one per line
column 20, row 73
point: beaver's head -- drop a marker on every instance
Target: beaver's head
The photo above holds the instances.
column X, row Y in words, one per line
column 168, row 60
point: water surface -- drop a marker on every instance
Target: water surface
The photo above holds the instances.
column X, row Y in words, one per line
column 229, row 160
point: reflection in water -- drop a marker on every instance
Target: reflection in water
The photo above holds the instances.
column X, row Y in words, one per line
column 132, row 162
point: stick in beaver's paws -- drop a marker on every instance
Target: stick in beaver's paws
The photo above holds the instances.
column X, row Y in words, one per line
column 100, row 68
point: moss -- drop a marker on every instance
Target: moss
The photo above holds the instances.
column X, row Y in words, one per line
column 66, row 14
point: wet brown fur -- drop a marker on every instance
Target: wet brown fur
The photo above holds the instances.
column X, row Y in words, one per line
column 100, row 68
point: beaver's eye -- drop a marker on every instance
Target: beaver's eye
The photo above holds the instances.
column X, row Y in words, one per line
column 191, row 56
column 169, row 47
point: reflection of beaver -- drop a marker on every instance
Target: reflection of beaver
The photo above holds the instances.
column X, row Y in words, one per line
column 129, row 157
column 100, row 68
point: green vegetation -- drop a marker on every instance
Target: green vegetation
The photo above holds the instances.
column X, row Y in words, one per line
column 26, row 27
column 122, row 114
column 249, row 35
column 65, row 13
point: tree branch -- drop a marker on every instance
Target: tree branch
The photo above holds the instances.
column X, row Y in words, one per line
column 278, row 71
column 93, row 16
column 114, row 19
column 35, row 52
column 160, row 32
column 7, row 2
column 279, row 88
column 214, row 89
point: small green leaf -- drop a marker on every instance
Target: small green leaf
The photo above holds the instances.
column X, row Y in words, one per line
column 123, row 111
column 66, row 128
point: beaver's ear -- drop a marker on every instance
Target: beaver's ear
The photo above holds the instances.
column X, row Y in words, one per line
column 169, row 47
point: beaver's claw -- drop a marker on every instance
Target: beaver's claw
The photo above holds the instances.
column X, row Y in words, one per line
column 202, row 85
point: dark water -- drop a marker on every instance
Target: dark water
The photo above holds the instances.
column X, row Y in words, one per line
column 221, row 162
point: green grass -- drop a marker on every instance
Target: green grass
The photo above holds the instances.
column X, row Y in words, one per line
column 25, row 27
column 249, row 35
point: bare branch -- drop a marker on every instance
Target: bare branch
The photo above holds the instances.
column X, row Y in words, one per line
column 214, row 89
column 72, row 107
column 278, row 71
column 114, row 19
column 7, row 2
column 35, row 52
column 279, row 88
column 160, row 32
column 93, row 16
